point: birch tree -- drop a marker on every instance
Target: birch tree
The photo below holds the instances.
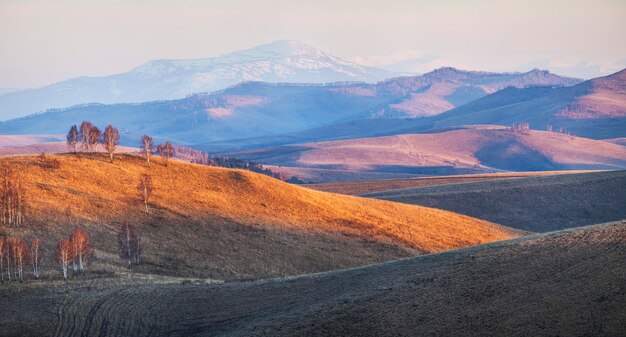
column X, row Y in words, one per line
column 7, row 255
column 94, row 138
column 166, row 151
column 82, row 249
column 72, row 138
column 21, row 257
column 147, row 147
column 145, row 188
column 84, row 131
column 14, row 242
column 12, row 203
column 64, row 255
column 129, row 244
column 3, row 253
column 110, row 139
column 36, row 256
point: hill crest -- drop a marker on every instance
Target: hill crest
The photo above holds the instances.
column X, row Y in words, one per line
column 286, row 228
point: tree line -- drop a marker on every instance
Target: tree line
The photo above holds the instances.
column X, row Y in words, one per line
column 87, row 137
column 12, row 197
column 204, row 158
column 70, row 255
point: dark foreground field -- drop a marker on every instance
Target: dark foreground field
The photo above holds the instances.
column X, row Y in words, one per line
column 570, row 283
column 384, row 185
column 536, row 204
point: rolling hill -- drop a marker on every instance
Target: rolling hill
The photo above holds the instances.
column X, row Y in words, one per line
column 563, row 283
column 384, row 185
column 261, row 110
column 227, row 224
column 537, row 204
column 11, row 145
column 593, row 109
column 479, row 149
column 279, row 61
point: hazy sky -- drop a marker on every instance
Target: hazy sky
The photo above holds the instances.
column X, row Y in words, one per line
column 47, row 41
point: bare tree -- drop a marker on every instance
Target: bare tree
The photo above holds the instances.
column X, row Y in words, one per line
column 129, row 244
column 145, row 188
column 3, row 254
column 21, row 257
column 7, row 255
column 36, row 256
column 64, row 255
column 84, row 132
column 166, row 151
column 12, row 203
column 72, row 139
column 147, row 147
column 94, row 137
column 82, row 248
column 110, row 139
column 14, row 243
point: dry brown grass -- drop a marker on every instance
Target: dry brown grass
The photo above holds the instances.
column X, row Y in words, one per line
column 566, row 283
column 223, row 223
column 36, row 147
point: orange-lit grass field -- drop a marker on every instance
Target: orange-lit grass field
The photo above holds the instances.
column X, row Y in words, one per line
column 227, row 224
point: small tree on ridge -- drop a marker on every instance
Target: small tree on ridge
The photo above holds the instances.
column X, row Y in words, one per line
column 145, row 188
column 110, row 139
column 72, row 139
column 147, row 147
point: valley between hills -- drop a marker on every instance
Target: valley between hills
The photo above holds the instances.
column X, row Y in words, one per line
column 320, row 198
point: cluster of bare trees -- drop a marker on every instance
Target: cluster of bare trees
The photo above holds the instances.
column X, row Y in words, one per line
column 71, row 254
column 166, row 150
column 16, row 254
column 521, row 127
column 75, row 251
column 12, row 203
column 560, row 130
column 128, row 240
column 89, row 136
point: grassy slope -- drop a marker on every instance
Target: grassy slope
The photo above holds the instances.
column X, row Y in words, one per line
column 225, row 224
column 383, row 185
column 537, row 204
column 565, row 283
column 51, row 147
column 489, row 148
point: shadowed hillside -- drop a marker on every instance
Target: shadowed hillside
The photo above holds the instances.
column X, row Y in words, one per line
column 593, row 109
column 481, row 149
column 537, row 204
column 383, row 185
column 228, row 224
column 565, row 283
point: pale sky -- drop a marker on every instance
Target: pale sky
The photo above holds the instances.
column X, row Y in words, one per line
column 42, row 42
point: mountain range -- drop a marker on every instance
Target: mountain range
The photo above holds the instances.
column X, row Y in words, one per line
column 594, row 109
column 259, row 109
column 279, row 61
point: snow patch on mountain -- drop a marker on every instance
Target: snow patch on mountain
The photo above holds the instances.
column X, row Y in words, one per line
column 279, row 61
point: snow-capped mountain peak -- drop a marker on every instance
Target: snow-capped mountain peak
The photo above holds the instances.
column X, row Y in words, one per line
column 278, row 61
